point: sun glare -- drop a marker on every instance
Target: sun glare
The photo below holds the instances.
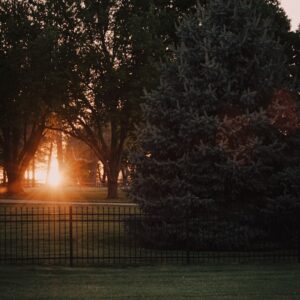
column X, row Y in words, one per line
column 54, row 178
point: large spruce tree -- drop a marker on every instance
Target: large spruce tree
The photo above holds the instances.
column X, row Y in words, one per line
column 210, row 138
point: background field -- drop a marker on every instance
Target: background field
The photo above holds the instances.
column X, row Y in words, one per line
column 255, row 282
column 66, row 194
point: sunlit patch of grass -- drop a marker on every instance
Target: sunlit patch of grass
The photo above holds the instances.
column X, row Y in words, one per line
column 2, row 190
column 66, row 194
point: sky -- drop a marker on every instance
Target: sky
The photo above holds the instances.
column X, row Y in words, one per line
column 292, row 9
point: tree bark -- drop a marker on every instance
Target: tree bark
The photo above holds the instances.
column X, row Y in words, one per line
column 33, row 172
column 59, row 147
column 124, row 171
column 112, row 180
column 104, row 175
column 49, row 163
column 4, row 176
column 15, row 187
column 19, row 150
column 15, row 178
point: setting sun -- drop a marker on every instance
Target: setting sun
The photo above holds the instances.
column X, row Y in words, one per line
column 54, row 177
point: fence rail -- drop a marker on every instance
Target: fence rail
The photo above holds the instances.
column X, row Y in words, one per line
column 106, row 235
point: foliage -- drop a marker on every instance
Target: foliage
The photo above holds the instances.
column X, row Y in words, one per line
column 115, row 50
column 212, row 139
column 296, row 56
column 30, row 86
column 94, row 56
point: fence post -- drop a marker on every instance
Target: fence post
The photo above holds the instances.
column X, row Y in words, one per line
column 71, row 234
column 298, row 234
column 188, row 254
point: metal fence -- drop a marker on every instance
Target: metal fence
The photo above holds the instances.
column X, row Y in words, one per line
column 107, row 235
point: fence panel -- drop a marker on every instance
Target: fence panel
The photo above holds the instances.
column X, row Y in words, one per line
column 110, row 235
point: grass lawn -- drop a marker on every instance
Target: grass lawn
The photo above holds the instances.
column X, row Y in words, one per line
column 165, row 282
column 66, row 194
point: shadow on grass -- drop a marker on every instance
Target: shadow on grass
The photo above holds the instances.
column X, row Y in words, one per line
column 164, row 282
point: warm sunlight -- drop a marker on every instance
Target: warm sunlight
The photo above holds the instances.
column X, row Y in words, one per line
column 54, row 177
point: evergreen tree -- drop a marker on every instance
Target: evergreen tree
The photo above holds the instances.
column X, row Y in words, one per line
column 210, row 138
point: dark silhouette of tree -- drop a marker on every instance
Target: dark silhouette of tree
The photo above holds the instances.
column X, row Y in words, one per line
column 30, row 84
column 115, row 52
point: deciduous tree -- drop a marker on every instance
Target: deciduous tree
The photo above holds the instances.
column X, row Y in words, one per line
column 30, row 83
column 117, row 48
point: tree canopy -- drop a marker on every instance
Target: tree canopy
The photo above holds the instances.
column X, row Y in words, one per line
column 88, row 63
column 211, row 138
column 31, row 83
column 117, row 47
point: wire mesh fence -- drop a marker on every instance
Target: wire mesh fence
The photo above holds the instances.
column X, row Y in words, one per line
column 110, row 235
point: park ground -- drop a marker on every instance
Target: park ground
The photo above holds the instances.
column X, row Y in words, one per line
column 65, row 194
column 230, row 282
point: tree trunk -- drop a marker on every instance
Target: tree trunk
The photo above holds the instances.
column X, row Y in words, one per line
column 19, row 150
column 15, row 178
column 124, row 171
column 49, row 163
column 112, row 188
column 112, row 181
column 15, row 187
column 104, row 175
column 33, row 172
column 59, row 147
column 4, row 176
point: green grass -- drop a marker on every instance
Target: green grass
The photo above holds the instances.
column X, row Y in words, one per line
column 187, row 282
column 66, row 194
